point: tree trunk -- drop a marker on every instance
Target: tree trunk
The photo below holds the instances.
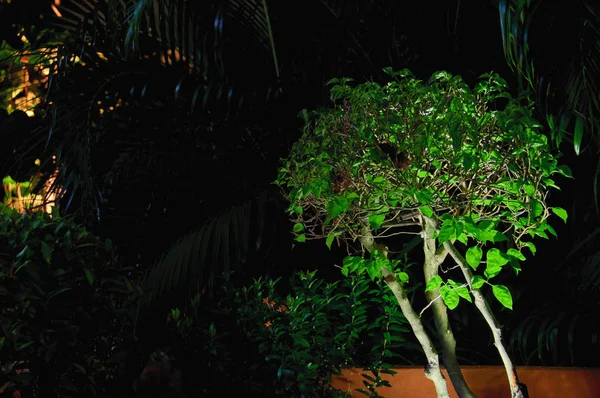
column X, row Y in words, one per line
column 432, row 369
column 517, row 389
column 433, row 259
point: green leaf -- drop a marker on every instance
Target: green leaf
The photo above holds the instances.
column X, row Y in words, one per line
column 515, row 253
column 329, row 240
column 434, row 283
column 427, row 211
column 378, row 180
column 535, row 208
column 298, row 209
column 403, row 276
column 474, row 256
column 337, row 206
column 464, row 293
column 353, row 263
column 447, row 231
column 530, row 245
column 450, row 297
column 424, row 196
column 529, row 190
column 298, row 227
column 562, row 213
column 375, row 220
column 477, row 282
column 495, row 259
column 46, row 252
column 373, row 269
column 565, row 170
column 503, row 295
column 422, row 174
column 89, row 276
column 301, row 238
column 301, row 341
column 578, row 133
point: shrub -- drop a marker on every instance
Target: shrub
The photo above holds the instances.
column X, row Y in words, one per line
column 66, row 307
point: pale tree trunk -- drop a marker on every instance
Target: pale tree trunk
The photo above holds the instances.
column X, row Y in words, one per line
column 433, row 259
column 432, row 369
column 516, row 389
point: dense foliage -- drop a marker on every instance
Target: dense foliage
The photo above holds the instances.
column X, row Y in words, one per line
column 292, row 344
column 475, row 159
column 66, row 307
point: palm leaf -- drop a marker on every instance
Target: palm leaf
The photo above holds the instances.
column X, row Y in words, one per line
column 220, row 245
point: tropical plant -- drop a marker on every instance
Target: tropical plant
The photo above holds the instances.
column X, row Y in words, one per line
column 299, row 340
column 566, row 95
column 141, row 88
column 463, row 168
column 67, row 309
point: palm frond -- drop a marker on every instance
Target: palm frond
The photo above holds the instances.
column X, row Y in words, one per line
column 575, row 73
column 220, row 245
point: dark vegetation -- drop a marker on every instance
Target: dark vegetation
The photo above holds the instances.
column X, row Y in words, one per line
column 168, row 131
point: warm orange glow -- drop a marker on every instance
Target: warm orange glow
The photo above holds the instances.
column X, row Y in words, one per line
column 58, row 14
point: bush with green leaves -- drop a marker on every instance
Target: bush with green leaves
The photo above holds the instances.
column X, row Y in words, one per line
column 292, row 345
column 467, row 169
column 66, row 307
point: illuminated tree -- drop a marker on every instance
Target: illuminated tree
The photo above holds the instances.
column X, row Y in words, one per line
column 466, row 169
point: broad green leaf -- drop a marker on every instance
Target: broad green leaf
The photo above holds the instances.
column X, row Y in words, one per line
column 337, row 206
column 447, row 232
column 427, row 211
column 329, row 240
column 375, row 220
column 515, row 253
column 298, row 209
column 424, row 196
column 477, row 282
column 301, row 238
column 495, row 259
column 530, row 245
column 450, row 297
column 301, row 341
column 345, row 271
column 503, row 295
column 89, row 276
column 562, row 213
column 373, row 269
column 422, row 174
column 434, row 283
column 474, row 256
column 353, row 263
column 378, row 180
column 403, row 276
column 535, row 208
column 529, row 190
column 463, row 238
column 565, row 170
column 46, row 252
column 464, row 293
column 298, row 227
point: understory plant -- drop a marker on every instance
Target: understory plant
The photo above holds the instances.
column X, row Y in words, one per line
column 292, row 344
column 466, row 169
column 66, row 308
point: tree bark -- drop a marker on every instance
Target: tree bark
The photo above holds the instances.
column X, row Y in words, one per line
column 516, row 388
column 432, row 369
column 433, row 259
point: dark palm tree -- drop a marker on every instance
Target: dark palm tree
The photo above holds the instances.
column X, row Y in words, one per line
column 554, row 50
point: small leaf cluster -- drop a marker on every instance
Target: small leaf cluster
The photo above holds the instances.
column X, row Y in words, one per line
column 66, row 308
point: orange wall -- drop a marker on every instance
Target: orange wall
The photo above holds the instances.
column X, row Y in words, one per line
column 485, row 382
